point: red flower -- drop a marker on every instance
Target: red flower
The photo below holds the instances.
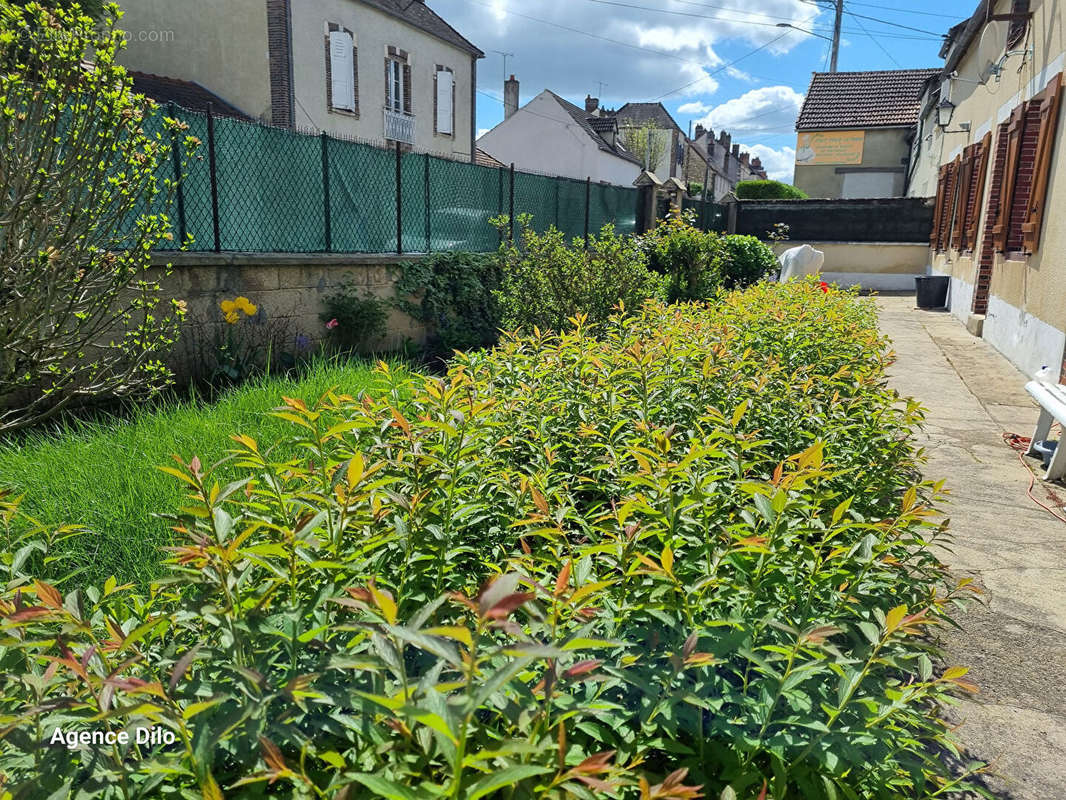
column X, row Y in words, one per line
column 332, row 324
column 824, row 286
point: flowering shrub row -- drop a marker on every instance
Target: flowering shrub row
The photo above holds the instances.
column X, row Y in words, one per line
column 684, row 553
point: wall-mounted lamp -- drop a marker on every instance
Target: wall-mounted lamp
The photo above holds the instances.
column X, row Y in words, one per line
column 944, row 111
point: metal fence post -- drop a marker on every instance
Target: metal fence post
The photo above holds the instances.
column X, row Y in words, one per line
column 327, row 205
column 213, row 169
column 558, row 191
column 588, row 202
column 175, row 157
column 511, row 207
column 429, row 230
column 499, row 201
column 399, row 201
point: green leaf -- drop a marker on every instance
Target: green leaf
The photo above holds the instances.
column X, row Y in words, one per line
column 508, row 776
column 383, row 787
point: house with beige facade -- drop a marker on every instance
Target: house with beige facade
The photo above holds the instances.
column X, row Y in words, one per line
column 991, row 153
column 382, row 71
column 855, row 132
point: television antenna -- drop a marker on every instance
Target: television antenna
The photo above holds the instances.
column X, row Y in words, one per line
column 505, row 57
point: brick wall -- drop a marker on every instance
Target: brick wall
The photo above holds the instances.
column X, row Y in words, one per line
column 1024, row 181
column 279, row 45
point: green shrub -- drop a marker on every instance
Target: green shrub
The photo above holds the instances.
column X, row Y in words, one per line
column 690, row 259
column 768, row 190
column 545, row 281
column 691, row 539
column 455, row 296
column 745, row 261
column 353, row 318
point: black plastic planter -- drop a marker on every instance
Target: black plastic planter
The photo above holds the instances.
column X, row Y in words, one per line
column 931, row 290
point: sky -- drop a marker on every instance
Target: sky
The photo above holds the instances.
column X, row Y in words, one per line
column 715, row 62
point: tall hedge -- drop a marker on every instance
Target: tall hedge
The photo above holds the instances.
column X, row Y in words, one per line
column 768, row 190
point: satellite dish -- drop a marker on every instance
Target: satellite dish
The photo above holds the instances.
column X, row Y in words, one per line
column 988, row 56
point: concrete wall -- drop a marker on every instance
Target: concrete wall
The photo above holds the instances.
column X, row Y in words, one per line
column 223, row 47
column 542, row 137
column 288, row 289
column 880, row 266
column 886, row 149
column 1026, row 315
column 374, row 32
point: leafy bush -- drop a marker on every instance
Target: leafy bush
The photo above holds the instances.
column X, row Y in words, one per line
column 81, row 311
column 353, row 318
column 544, row 281
column 745, row 260
column 690, row 259
column 455, row 296
column 692, row 545
column 768, row 190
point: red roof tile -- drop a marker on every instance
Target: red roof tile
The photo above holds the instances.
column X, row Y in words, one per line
column 884, row 99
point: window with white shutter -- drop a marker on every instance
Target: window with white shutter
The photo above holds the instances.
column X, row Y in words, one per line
column 342, row 89
column 445, row 101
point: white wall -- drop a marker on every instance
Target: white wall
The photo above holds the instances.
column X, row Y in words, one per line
column 374, row 32
column 542, row 136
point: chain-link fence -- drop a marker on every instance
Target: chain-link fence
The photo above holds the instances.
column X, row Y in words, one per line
column 256, row 188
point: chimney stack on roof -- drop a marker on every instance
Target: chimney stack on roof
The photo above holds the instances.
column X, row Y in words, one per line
column 510, row 97
column 744, row 158
column 591, row 104
column 756, row 164
column 700, row 130
column 736, row 151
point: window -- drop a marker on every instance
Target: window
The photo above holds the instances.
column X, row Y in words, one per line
column 342, row 76
column 1018, row 27
column 444, row 101
column 397, row 81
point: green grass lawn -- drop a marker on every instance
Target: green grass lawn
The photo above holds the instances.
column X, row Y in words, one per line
column 103, row 475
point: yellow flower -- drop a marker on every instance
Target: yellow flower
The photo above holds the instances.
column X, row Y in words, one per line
column 232, row 317
column 245, row 305
column 227, row 306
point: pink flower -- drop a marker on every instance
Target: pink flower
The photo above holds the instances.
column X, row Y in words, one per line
column 332, row 324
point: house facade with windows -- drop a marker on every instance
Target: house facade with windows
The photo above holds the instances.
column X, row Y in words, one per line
column 855, row 132
column 992, row 156
column 383, row 71
column 719, row 163
column 553, row 136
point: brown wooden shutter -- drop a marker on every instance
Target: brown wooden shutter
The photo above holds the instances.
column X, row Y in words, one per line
column 407, row 88
column 1049, row 120
column 938, row 209
column 980, row 169
column 963, row 170
column 1015, row 129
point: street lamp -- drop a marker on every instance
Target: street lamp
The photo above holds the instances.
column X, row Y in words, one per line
column 803, row 30
column 944, row 111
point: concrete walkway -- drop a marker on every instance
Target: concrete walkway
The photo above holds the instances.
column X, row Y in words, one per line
column 1014, row 641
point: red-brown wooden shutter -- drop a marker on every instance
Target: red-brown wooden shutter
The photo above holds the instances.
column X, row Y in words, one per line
column 938, row 209
column 1015, row 129
column 973, row 214
column 964, row 172
column 1049, row 120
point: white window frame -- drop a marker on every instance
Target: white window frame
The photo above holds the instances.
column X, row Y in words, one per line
column 394, row 88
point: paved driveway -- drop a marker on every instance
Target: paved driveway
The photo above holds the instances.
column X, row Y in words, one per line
column 1015, row 641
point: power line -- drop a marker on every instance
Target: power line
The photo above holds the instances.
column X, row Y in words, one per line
column 877, row 42
column 720, row 69
column 901, row 10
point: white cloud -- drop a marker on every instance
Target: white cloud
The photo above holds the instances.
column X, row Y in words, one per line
column 695, row 107
column 768, row 109
column 481, row 132
column 779, row 163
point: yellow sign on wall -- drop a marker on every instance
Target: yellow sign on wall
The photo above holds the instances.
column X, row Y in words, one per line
column 829, row 147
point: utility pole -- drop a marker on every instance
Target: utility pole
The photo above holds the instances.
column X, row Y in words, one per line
column 836, row 35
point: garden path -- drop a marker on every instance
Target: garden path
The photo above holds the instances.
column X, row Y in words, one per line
column 1015, row 640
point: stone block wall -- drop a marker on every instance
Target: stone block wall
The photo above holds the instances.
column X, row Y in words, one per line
column 289, row 290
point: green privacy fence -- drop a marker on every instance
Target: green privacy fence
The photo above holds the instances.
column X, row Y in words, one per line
column 709, row 216
column 257, row 188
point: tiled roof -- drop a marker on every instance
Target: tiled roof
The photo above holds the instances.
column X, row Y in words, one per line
column 641, row 113
column 583, row 118
column 884, row 99
column 417, row 13
column 188, row 95
column 483, row 159
column 602, row 124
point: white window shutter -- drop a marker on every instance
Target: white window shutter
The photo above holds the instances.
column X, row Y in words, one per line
column 444, row 101
column 343, row 69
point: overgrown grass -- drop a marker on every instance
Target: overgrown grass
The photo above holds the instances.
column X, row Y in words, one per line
column 104, row 476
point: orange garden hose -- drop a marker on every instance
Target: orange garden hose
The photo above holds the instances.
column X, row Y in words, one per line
column 1020, row 444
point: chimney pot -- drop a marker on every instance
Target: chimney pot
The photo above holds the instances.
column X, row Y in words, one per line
column 736, row 151
column 744, row 157
column 510, row 97
column 699, row 132
column 591, row 103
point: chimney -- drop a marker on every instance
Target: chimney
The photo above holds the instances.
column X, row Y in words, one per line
column 724, row 139
column 510, row 97
column 744, row 158
column 756, row 164
column 591, row 104
column 700, row 130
